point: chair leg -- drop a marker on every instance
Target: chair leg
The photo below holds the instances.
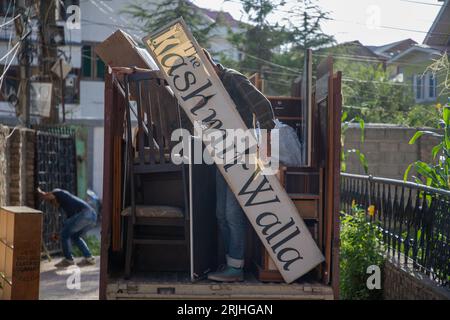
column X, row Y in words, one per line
column 129, row 248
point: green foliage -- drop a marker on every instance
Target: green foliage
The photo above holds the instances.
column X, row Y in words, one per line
column 441, row 66
column 435, row 174
column 93, row 244
column 369, row 93
column 304, row 26
column 346, row 153
column 421, row 116
column 277, row 50
column 260, row 37
column 360, row 248
column 166, row 11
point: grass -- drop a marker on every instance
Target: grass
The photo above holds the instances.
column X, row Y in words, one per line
column 92, row 242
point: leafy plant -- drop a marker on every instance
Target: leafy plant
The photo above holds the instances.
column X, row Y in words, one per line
column 346, row 153
column 164, row 12
column 436, row 174
column 360, row 248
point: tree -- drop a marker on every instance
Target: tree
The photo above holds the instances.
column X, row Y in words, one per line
column 305, row 26
column 260, row 37
column 369, row 93
column 168, row 10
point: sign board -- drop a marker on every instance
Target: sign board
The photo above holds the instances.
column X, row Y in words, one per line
column 203, row 97
column 61, row 65
column 41, row 98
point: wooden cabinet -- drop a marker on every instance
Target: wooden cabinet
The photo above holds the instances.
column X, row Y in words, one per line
column 304, row 188
column 20, row 249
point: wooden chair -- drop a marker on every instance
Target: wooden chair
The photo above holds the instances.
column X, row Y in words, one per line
column 149, row 166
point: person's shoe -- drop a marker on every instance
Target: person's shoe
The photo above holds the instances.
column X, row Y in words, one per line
column 64, row 263
column 87, row 262
column 228, row 274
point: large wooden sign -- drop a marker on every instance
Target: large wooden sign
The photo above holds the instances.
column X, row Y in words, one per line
column 201, row 94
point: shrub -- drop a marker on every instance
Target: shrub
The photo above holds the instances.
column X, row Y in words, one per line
column 360, row 248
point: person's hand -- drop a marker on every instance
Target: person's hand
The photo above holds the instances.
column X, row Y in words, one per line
column 47, row 196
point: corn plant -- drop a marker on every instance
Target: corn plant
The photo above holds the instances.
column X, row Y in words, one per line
column 346, row 153
column 435, row 174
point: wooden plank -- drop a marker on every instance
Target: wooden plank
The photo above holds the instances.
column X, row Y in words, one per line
column 329, row 176
column 108, row 189
column 266, row 204
column 306, row 90
column 337, row 105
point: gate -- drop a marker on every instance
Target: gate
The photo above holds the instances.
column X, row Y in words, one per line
column 55, row 168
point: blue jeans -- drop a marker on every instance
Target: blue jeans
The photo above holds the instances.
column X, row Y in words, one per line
column 74, row 228
column 232, row 223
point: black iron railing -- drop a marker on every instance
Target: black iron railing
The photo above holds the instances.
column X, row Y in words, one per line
column 414, row 220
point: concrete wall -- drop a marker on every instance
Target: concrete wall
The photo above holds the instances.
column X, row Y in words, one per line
column 401, row 282
column 387, row 150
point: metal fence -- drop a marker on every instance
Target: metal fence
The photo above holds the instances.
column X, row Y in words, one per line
column 414, row 220
column 55, row 168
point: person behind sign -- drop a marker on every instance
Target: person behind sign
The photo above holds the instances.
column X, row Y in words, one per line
column 80, row 217
column 232, row 222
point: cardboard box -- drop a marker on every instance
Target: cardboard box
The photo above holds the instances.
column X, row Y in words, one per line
column 9, row 228
column 2, row 257
column 2, row 226
column 120, row 50
column 7, row 290
column 9, row 261
column 22, row 253
column 2, row 287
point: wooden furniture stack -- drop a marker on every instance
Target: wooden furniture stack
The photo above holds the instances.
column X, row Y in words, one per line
column 20, row 251
column 303, row 185
column 157, row 216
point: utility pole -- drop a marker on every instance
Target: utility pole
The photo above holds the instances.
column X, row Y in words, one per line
column 23, row 33
column 49, row 52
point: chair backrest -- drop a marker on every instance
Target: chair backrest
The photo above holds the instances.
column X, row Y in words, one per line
column 157, row 114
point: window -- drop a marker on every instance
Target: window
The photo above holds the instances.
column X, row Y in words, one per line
column 431, row 86
column 92, row 67
column 425, row 87
column 418, row 88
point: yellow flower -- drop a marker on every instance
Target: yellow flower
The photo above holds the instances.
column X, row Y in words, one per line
column 438, row 107
column 353, row 204
column 371, row 210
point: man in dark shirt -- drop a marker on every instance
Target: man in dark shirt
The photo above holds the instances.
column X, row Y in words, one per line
column 80, row 217
column 232, row 222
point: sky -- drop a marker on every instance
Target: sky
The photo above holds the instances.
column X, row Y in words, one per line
column 372, row 22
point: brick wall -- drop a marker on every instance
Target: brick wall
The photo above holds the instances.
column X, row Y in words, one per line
column 402, row 283
column 387, row 150
column 17, row 149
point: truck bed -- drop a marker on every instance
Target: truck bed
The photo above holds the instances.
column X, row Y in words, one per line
column 172, row 285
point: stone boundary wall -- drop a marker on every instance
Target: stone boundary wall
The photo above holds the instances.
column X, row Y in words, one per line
column 401, row 282
column 17, row 152
column 387, row 150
